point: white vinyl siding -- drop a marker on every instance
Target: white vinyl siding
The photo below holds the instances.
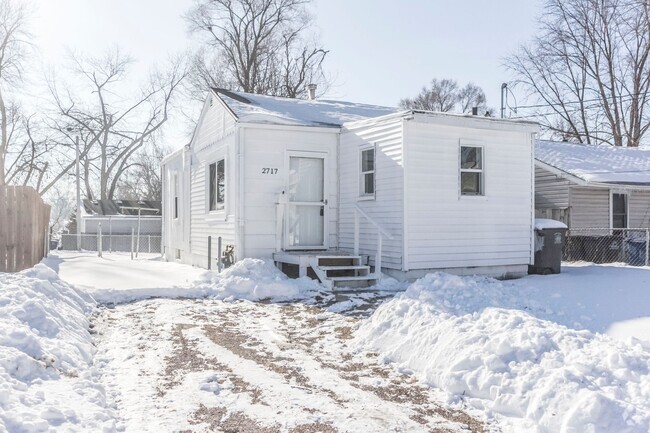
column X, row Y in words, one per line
column 387, row 208
column 266, row 177
column 551, row 191
column 447, row 230
column 216, row 122
column 175, row 193
column 589, row 207
column 214, row 140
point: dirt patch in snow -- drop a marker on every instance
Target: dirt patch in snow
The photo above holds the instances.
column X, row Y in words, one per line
column 286, row 368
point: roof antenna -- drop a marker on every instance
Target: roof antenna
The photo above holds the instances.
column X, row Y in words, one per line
column 312, row 91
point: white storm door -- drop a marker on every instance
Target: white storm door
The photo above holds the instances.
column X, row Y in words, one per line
column 307, row 207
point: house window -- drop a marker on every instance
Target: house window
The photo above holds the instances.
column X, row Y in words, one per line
column 217, row 187
column 619, row 211
column 367, row 186
column 471, row 170
column 175, row 196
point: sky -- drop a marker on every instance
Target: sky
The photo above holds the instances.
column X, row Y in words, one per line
column 380, row 51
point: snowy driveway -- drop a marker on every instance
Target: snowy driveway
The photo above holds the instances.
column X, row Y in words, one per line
column 563, row 353
column 208, row 365
column 204, row 365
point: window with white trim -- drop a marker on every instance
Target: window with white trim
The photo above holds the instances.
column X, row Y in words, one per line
column 367, row 172
column 216, row 185
column 619, row 211
column 471, row 171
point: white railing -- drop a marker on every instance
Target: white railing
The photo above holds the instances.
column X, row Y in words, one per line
column 381, row 234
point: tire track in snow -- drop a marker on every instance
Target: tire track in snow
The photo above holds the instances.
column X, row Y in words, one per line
column 206, row 365
column 276, row 335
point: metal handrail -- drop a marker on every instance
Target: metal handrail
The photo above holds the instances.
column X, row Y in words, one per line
column 381, row 233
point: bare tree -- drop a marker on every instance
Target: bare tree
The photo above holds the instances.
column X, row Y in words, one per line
column 14, row 43
column 259, row 46
column 112, row 129
column 589, row 71
column 144, row 181
column 62, row 208
column 471, row 96
column 445, row 95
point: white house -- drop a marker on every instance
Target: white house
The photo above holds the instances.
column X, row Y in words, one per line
column 118, row 219
column 332, row 189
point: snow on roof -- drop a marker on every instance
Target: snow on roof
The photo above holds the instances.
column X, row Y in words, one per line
column 542, row 223
column 253, row 108
column 603, row 164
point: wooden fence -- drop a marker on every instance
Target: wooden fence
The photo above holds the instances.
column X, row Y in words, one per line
column 24, row 224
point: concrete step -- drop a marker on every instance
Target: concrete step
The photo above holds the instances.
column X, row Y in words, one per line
column 359, row 278
column 353, row 282
column 344, row 267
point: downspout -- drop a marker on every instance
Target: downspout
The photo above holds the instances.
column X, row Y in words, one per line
column 531, row 257
column 338, row 189
column 187, row 200
column 239, row 217
column 165, row 217
column 405, row 202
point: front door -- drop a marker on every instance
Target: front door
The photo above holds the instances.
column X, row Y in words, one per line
column 307, row 207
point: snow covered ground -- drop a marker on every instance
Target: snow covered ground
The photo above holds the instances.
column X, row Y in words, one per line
column 561, row 353
column 48, row 381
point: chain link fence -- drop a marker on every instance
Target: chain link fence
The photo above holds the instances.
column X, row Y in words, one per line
column 110, row 243
column 599, row 245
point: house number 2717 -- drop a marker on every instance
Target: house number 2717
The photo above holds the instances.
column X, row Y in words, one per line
column 267, row 170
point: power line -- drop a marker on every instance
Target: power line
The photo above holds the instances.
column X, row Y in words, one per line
column 552, row 104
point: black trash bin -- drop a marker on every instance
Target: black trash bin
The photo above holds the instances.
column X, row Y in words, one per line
column 550, row 236
column 635, row 251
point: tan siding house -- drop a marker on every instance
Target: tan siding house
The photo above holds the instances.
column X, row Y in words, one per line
column 582, row 184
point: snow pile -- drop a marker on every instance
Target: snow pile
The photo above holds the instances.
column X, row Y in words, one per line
column 121, row 280
column 533, row 374
column 46, row 376
column 254, row 280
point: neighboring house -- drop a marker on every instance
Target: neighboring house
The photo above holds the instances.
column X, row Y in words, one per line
column 118, row 219
column 588, row 186
column 321, row 185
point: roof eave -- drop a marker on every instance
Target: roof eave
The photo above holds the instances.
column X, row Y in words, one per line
column 583, row 182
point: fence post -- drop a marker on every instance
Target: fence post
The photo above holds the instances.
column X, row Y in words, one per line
column 149, row 242
column 209, row 253
column 647, row 246
column 219, row 254
column 99, row 240
column 132, row 241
